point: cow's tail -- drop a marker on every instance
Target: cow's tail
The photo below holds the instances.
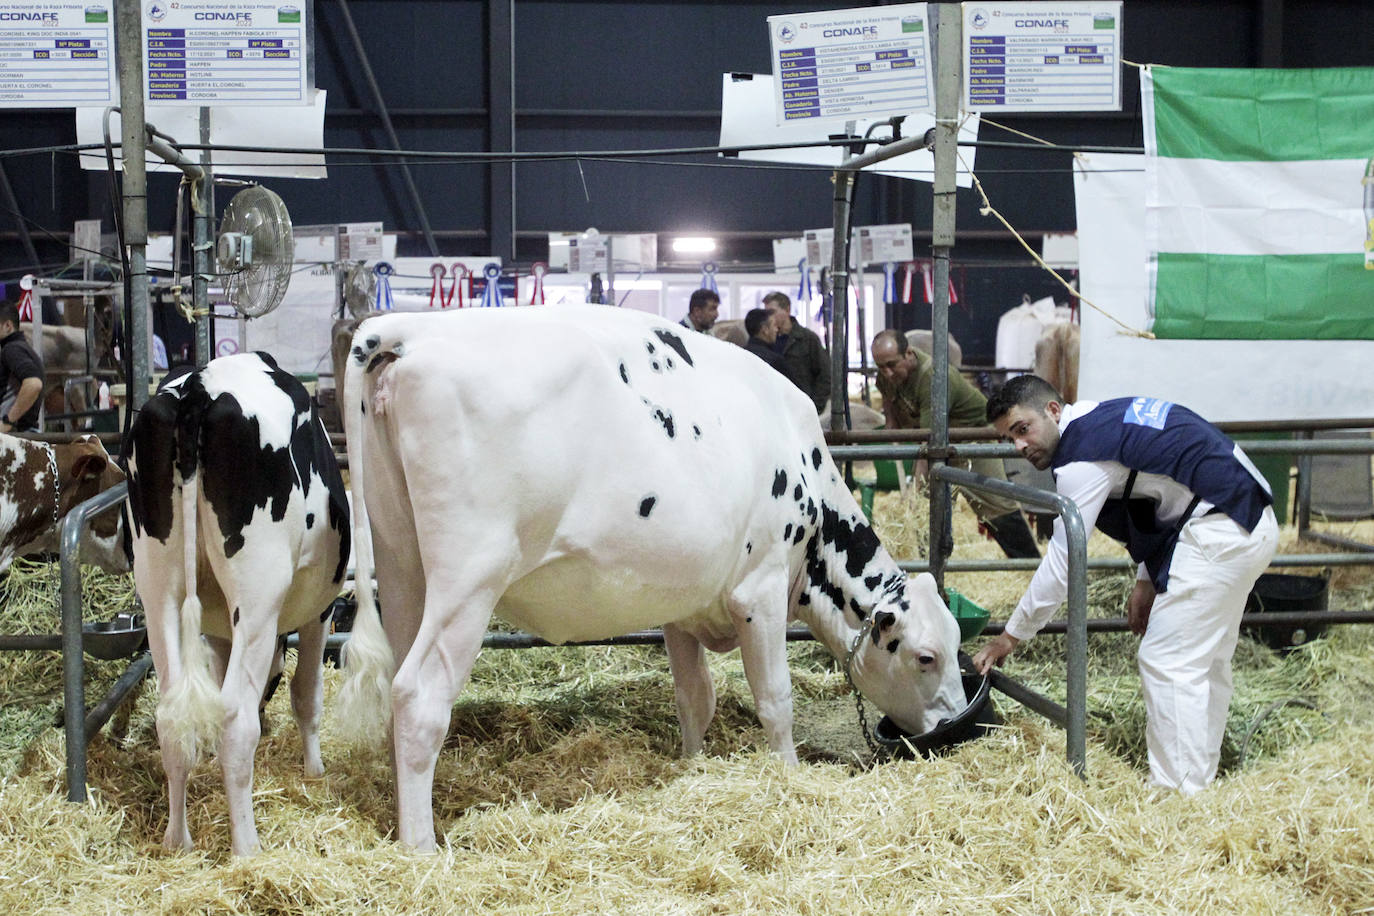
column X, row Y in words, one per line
column 191, row 712
column 363, row 706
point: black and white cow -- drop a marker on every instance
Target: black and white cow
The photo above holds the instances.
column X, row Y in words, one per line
column 586, row 471
column 241, row 532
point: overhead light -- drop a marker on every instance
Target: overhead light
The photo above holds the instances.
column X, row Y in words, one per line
column 694, row 245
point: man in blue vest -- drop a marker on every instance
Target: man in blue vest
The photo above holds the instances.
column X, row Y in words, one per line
column 1196, row 516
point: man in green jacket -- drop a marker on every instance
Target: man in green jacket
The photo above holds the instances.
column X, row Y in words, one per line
column 806, row 360
column 904, row 378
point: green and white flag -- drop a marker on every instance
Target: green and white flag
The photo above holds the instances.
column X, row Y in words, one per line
column 1259, row 219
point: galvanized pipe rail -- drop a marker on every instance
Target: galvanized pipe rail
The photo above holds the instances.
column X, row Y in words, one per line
column 73, row 657
column 1076, row 651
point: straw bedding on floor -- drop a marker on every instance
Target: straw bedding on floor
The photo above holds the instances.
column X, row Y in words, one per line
column 560, row 791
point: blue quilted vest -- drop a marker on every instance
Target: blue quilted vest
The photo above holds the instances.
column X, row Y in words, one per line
column 1151, row 436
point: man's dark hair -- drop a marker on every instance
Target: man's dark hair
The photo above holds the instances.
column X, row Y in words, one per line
column 9, row 311
column 1023, row 391
column 779, row 300
column 897, row 338
column 702, row 298
column 755, row 319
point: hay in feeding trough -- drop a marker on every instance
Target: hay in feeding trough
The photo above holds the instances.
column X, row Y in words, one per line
column 559, row 791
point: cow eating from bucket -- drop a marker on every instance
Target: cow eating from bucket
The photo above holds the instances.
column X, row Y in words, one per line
column 584, row 472
column 240, row 532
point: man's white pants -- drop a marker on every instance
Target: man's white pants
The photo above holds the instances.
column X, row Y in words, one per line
column 1185, row 655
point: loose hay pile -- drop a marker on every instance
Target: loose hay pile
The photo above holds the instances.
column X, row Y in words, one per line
column 559, row 791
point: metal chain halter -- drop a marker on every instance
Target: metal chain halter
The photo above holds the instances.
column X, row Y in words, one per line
column 864, row 630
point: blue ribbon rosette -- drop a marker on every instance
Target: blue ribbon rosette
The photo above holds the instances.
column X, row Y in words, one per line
column 383, row 272
column 708, row 276
column 491, row 296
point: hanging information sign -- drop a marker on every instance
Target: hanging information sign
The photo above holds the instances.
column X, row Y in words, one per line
column 360, row 242
column 1058, row 56
column 248, row 53
column 881, row 244
column 588, row 255
column 847, row 64
column 57, row 54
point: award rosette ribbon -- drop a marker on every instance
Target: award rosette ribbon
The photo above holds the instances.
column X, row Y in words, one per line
column 889, row 282
column 26, row 297
column 909, row 271
column 436, row 286
column 461, row 277
column 491, row 296
column 383, row 272
column 708, row 276
column 538, row 269
column 804, row 284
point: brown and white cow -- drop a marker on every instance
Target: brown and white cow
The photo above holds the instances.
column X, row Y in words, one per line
column 40, row 483
column 241, row 533
column 586, row 471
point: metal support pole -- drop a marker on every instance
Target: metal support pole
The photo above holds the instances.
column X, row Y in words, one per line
column 128, row 26
column 202, row 249
column 501, row 128
column 385, row 115
column 839, row 295
column 1303, row 510
column 948, row 28
column 73, row 661
column 1076, row 648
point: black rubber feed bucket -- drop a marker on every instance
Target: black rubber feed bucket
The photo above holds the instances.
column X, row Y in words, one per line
column 972, row 723
column 1276, row 592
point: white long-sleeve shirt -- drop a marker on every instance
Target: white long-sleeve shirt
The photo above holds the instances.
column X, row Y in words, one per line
column 1090, row 484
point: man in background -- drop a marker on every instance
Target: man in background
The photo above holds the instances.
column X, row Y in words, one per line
column 806, row 360
column 904, row 380
column 702, row 310
column 763, row 332
column 21, row 375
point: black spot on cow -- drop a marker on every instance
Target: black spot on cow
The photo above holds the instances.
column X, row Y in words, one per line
column 816, row 458
column 674, row 341
column 779, row 483
column 309, row 520
column 646, row 505
column 654, row 366
column 373, row 341
column 871, row 582
column 358, row 355
column 362, row 406
column 696, row 431
column 818, row 576
column 854, row 606
column 649, row 345
column 892, row 646
column 624, row 374
column 801, row 533
column 748, row 546
column 748, row 620
column 804, row 598
column 665, row 419
column 811, row 508
column 787, row 532
column 851, row 538
column 236, row 616
column 797, row 492
column 668, row 363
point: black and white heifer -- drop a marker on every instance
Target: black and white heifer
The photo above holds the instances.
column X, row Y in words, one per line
column 241, row 532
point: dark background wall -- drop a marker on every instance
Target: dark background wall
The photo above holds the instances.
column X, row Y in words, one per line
column 589, row 75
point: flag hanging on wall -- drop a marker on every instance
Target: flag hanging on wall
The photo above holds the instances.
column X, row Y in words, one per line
column 1259, row 214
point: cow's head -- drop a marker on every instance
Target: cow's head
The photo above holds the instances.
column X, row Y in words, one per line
column 908, row 664
column 85, row 469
